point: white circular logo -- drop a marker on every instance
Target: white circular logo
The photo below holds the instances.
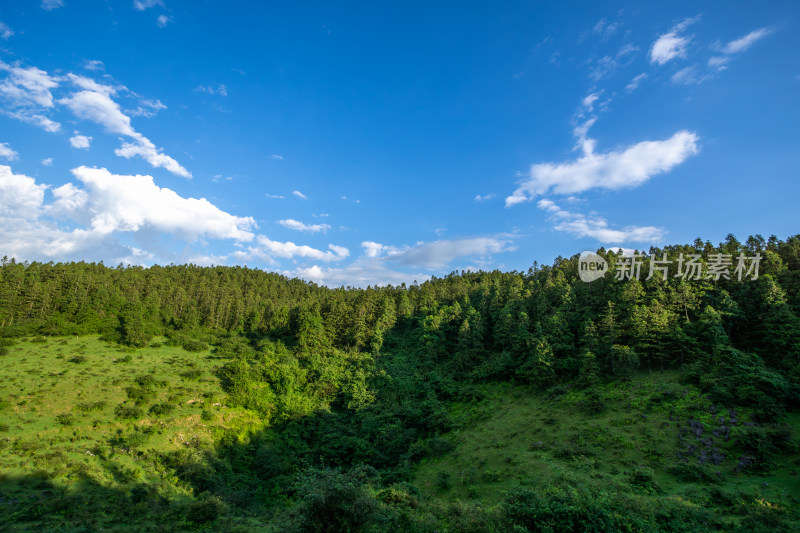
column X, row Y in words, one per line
column 591, row 266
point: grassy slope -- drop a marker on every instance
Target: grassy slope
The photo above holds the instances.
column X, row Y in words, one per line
column 40, row 382
column 518, row 436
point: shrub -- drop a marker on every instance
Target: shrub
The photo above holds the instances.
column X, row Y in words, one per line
column 159, row 409
column 65, row 419
column 207, row 414
column 206, row 508
column 127, row 411
column 77, row 359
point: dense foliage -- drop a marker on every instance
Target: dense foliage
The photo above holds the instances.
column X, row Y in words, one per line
column 356, row 385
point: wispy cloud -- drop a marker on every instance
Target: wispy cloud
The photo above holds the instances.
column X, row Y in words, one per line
column 301, row 226
column 596, row 227
column 607, row 65
column 635, row 82
column 439, row 254
column 5, row 31
column 141, row 5
column 163, row 20
column 50, row 5
column 673, row 44
column 278, row 196
column 276, row 156
column 300, row 195
column 220, row 89
column 737, row 46
column 612, row 170
column 48, row 162
column 483, row 198
column 7, row 153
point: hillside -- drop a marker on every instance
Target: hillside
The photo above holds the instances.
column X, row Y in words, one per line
column 229, row 399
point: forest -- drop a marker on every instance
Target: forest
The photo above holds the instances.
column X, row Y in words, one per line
column 188, row 398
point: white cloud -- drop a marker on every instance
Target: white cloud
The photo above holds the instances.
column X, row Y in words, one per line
column 141, row 5
column 48, row 162
column 479, row 198
column 26, row 93
column 148, row 151
column 612, row 170
column 300, row 195
column 300, row 226
column 608, row 64
column 588, row 101
column 361, row 273
column 129, row 203
column 163, row 20
column 147, row 108
column 98, row 107
column 80, row 141
column 737, row 46
column 50, row 5
column 605, row 29
column 5, row 31
column 267, row 250
column 438, row 254
column 220, row 89
column 635, row 82
column 743, row 43
column 278, row 196
column 276, row 156
column 672, row 44
column 596, row 227
column 93, row 64
column 376, row 249
column 8, row 153
column 20, row 195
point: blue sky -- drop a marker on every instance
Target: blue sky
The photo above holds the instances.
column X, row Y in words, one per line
column 368, row 144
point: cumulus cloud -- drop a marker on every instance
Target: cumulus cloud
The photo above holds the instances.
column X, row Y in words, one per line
column 8, row 153
column 163, row 20
column 596, row 227
column 301, row 226
column 673, row 44
column 80, row 141
column 612, row 170
column 129, row 203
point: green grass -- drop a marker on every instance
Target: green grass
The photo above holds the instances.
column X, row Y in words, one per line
column 58, row 414
column 520, row 437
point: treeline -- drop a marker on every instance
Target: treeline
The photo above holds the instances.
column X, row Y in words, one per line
column 539, row 323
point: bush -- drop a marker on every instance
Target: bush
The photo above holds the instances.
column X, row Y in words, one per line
column 206, row 508
column 160, row 409
column 329, row 500
column 77, row 359
column 65, row 419
column 207, row 415
column 127, row 411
